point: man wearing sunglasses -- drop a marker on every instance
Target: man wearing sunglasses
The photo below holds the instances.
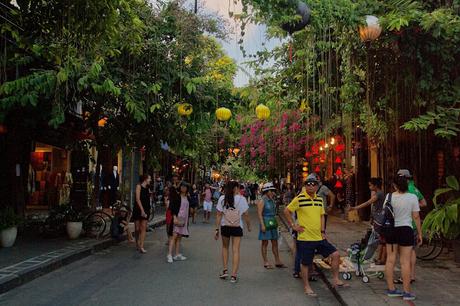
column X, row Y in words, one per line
column 311, row 236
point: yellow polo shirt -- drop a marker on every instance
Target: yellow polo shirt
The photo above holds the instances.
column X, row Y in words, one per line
column 309, row 211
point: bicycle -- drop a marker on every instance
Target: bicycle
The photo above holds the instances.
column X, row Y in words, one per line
column 96, row 224
column 431, row 248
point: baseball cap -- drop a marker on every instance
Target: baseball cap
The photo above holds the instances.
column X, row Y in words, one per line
column 268, row 186
column 312, row 178
column 404, row 172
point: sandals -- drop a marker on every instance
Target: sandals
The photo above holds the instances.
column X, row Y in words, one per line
column 224, row 274
column 233, row 279
column 400, row 281
column 281, row 266
column 338, row 286
column 311, row 294
column 268, row 266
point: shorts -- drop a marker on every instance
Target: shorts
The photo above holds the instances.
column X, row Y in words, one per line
column 401, row 235
column 207, row 206
column 307, row 250
column 231, row 231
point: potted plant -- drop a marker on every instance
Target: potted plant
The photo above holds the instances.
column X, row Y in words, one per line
column 444, row 219
column 74, row 223
column 9, row 222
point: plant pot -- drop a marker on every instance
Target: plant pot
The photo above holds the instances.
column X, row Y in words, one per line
column 74, row 229
column 8, row 236
column 456, row 247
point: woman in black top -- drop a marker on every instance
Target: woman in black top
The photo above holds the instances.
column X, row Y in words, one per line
column 141, row 211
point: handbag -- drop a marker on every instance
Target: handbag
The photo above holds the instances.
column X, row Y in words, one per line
column 270, row 223
column 180, row 222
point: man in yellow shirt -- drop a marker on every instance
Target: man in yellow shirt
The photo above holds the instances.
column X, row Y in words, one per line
column 311, row 235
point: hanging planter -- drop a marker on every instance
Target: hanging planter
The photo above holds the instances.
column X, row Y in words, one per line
column 262, row 112
column 371, row 31
column 184, row 109
column 223, row 114
column 304, row 12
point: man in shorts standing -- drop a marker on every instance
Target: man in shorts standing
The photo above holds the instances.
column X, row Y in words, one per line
column 207, row 202
column 311, row 231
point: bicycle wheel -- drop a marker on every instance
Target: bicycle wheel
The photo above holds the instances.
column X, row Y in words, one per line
column 429, row 248
column 95, row 225
column 152, row 213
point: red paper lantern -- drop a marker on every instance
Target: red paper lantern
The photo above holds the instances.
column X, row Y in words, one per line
column 316, row 160
column 317, row 169
column 308, row 154
column 338, row 160
column 339, row 148
column 338, row 184
column 339, row 172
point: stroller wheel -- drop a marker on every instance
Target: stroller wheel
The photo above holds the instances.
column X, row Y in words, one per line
column 345, row 276
column 358, row 273
column 349, row 276
column 365, row 279
column 380, row 275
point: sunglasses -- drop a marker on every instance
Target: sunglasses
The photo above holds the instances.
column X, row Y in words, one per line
column 311, row 184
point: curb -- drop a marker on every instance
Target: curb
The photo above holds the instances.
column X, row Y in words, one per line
column 28, row 270
column 323, row 277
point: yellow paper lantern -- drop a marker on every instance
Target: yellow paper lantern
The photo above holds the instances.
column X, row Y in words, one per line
column 262, row 112
column 223, row 114
column 372, row 30
column 185, row 109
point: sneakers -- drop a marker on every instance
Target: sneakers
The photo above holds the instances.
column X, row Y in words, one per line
column 169, row 259
column 407, row 296
column 179, row 257
column 394, row 293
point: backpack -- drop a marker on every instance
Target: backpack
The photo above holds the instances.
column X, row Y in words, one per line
column 384, row 222
column 231, row 217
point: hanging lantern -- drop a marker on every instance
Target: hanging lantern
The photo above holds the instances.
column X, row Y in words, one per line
column 184, row 109
column 308, row 154
column 304, row 174
column 338, row 160
column 262, row 112
column 372, row 30
column 305, row 169
column 304, row 12
column 339, row 148
column 3, row 129
column 316, row 160
column 223, row 114
column 102, row 122
column 338, row 184
column 317, row 169
column 339, row 172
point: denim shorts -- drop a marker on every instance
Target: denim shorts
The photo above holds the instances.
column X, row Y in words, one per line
column 307, row 250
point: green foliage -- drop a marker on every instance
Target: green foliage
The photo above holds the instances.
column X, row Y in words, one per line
column 445, row 218
column 8, row 218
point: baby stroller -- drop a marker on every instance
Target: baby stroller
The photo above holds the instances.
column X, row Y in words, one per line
column 360, row 253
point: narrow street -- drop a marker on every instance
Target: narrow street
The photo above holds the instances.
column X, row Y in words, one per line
column 121, row 276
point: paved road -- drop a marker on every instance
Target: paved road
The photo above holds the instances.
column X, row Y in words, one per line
column 121, row 276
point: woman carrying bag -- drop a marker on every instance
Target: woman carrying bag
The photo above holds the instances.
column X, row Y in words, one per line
column 266, row 211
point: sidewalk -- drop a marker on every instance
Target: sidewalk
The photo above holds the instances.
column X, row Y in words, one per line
column 438, row 281
column 30, row 258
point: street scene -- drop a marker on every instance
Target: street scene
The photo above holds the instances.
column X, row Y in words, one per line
column 241, row 152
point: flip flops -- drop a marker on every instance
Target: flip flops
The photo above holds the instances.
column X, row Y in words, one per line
column 281, row 266
column 268, row 267
column 311, row 294
column 338, row 286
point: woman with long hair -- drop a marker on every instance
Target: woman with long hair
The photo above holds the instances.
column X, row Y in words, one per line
column 141, row 211
column 231, row 208
column 400, row 240
column 180, row 215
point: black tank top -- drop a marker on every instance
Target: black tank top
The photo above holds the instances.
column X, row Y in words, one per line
column 145, row 198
